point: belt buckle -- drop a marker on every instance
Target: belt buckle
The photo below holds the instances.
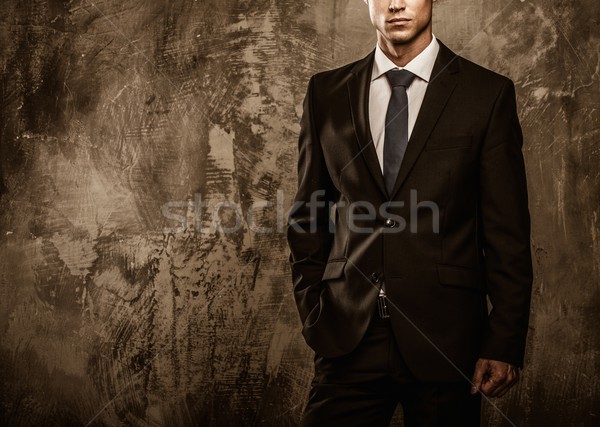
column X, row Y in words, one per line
column 382, row 305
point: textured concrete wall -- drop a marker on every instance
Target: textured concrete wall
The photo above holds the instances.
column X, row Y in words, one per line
column 113, row 111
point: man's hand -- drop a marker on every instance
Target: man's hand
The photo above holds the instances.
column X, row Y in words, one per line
column 494, row 378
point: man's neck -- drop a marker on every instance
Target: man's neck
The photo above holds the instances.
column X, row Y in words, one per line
column 402, row 53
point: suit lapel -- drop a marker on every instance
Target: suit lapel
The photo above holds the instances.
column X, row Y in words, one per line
column 438, row 92
column 359, row 84
column 440, row 87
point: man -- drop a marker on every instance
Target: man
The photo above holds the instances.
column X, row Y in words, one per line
column 411, row 208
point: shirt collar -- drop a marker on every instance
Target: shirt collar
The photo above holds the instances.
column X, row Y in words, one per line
column 421, row 65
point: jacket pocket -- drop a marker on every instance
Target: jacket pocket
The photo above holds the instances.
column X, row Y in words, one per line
column 334, row 269
column 463, row 277
column 447, row 143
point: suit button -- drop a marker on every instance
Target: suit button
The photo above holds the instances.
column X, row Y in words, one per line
column 375, row 278
column 390, row 223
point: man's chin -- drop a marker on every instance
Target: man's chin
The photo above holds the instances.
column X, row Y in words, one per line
column 401, row 39
column 400, row 36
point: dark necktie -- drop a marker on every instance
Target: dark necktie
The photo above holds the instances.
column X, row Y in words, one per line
column 396, row 126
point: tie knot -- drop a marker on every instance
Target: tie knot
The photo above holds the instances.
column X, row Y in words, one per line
column 400, row 77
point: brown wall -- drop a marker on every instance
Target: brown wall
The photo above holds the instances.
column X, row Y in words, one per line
column 111, row 109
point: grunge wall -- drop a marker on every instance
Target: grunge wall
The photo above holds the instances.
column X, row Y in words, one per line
column 125, row 124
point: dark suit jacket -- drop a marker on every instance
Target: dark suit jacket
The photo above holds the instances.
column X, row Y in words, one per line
column 464, row 155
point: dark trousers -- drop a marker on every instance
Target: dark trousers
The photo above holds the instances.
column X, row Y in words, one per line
column 364, row 387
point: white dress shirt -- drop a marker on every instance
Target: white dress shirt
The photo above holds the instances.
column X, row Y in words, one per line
column 380, row 91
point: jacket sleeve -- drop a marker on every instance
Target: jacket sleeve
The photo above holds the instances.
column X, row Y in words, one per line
column 308, row 231
column 505, row 228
